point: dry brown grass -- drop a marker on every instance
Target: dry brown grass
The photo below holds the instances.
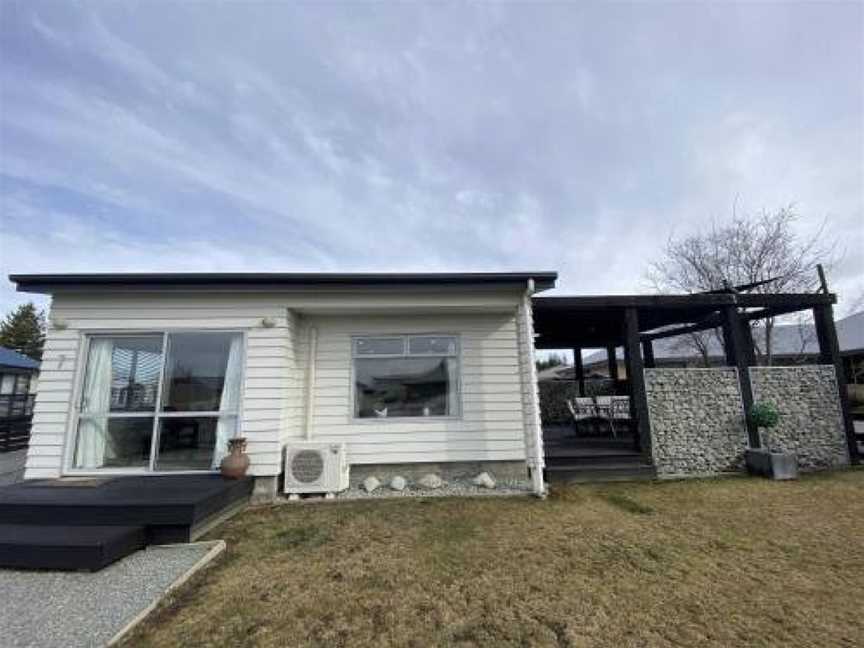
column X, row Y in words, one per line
column 720, row 562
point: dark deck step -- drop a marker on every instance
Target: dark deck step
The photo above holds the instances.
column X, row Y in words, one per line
column 600, row 472
column 89, row 523
column 25, row 546
column 577, row 457
column 153, row 501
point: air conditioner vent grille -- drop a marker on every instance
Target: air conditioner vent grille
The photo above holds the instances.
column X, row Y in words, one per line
column 316, row 467
column 307, row 466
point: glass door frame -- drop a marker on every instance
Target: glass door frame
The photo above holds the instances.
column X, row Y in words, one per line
column 80, row 376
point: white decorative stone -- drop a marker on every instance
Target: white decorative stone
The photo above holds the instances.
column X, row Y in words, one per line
column 398, row 483
column 370, row 484
column 484, row 480
column 431, row 481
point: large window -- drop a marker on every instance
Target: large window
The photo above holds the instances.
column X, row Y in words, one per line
column 406, row 376
column 162, row 402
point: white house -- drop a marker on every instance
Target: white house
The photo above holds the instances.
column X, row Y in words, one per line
column 153, row 373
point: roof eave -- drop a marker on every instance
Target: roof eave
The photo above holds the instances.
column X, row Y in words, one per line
column 50, row 283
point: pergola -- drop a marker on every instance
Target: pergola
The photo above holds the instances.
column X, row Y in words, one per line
column 635, row 321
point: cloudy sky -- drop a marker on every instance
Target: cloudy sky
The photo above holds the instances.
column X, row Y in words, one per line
column 276, row 137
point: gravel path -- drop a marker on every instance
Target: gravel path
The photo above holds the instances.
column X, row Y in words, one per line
column 72, row 609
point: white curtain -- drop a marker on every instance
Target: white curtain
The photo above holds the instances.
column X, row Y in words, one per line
column 452, row 386
column 230, row 401
column 92, row 432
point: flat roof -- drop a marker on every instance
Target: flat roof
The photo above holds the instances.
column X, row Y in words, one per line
column 47, row 283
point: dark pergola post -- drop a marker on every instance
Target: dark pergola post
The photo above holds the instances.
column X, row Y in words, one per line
column 612, row 361
column 738, row 345
column 648, row 354
column 829, row 351
column 636, row 377
column 579, row 371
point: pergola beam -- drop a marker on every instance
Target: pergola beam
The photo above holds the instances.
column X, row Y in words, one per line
column 801, row 301
column 793, row 301
column 714, row 322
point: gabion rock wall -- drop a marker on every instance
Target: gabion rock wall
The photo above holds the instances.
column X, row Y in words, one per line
column 811, row 423
column 697, row 421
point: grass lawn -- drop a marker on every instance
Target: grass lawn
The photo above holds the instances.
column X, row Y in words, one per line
column 716, row 562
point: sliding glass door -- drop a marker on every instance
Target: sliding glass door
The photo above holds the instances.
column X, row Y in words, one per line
column 158, row 402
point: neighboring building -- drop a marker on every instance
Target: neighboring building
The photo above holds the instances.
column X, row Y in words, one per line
column 154, row 373
column 18, row 378
column 850, row 336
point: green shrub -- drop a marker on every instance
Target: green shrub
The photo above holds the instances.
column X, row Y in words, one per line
column 764, row 415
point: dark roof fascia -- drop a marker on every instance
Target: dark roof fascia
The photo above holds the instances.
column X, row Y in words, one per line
column 48, row 283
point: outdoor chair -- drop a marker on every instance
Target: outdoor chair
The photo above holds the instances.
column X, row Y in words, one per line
column 620, row 407
column 620, row 410
column 581, row 409
column 605, row 411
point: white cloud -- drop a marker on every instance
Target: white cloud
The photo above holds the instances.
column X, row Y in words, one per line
column 419, row 137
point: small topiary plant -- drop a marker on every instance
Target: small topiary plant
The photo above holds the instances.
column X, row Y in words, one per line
column 764, row 415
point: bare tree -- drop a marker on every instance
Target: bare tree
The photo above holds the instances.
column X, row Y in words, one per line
column 744, row 250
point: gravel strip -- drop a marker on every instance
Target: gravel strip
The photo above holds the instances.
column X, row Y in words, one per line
column 72, row 609
column 451, row 489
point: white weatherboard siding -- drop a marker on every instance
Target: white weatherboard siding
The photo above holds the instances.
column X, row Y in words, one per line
column 496, row 399
column 267, row 372
column 492, row 424
column 52, row 403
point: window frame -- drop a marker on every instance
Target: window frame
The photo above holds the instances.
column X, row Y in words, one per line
column 76, row 414
column 354, row 419
column 6, row 377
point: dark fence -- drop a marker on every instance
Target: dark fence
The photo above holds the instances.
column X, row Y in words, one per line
column 16, row 405
column 16, row 413
column 14, row 433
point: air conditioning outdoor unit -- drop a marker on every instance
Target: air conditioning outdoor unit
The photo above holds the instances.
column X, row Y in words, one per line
column 316, row 468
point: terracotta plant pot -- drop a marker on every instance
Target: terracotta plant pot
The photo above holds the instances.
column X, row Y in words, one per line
column 236, row 462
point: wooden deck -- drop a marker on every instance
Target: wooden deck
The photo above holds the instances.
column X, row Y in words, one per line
column 595, row 458
column 86, row 523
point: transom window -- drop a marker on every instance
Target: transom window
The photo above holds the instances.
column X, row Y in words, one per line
column 162, row 402
column 406, row 376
